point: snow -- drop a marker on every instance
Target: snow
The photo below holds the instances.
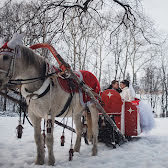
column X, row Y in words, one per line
column 149, row 150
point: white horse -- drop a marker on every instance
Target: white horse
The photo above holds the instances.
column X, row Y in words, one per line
column 26, row 64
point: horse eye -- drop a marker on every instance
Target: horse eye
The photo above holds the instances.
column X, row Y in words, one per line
column 5, row 57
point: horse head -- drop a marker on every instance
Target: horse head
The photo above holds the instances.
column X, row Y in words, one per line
column 7, row 58
column 5, row 69
column 20, row 63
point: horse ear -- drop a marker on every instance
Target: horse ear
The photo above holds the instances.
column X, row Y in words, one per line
column 18, row 51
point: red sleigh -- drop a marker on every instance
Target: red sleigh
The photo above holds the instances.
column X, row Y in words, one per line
column 125, row 114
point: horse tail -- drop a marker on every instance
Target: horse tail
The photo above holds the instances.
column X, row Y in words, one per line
column 89, row 124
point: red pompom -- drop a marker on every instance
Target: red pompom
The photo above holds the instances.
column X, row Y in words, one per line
column 19, row 131
column 62, row 139
column 71, row 154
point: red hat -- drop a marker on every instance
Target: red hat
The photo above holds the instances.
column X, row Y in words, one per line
column 6, row 50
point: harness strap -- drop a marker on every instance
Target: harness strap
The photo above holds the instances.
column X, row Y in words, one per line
column 66, row 105
column 46, row 91
column 3, row 71
column 28, row 120
column 45, row 88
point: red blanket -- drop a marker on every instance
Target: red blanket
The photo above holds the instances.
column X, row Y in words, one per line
column 87, row 77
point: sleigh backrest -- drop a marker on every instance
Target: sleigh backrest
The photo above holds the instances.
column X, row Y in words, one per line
column 125, row 114
column 112, row 101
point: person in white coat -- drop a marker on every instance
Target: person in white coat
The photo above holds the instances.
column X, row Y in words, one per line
column 146, row 116
column 126, row 93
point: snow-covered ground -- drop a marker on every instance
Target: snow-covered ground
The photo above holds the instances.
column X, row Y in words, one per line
column 149, row 151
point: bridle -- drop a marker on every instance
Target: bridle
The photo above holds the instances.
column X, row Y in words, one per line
column 10, row 72
column 11, row 69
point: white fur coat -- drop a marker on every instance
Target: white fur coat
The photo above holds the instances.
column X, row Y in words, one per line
column 127, row 95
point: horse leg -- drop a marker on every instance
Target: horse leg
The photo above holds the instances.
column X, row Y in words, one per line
column 89, row 125
column 38, row 139
column 49, row 143
column 94, row 116
column 78, row 124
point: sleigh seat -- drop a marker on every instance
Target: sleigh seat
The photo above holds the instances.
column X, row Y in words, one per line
column 124, row 114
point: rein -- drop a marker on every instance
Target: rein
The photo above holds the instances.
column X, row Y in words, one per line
column 31, row 80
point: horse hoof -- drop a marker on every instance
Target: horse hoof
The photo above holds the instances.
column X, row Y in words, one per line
column 39, row 162
column 94, row 152
column 51, row 162
column 76, row 149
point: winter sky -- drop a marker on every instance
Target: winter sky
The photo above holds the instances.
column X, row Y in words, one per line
column 158, row 12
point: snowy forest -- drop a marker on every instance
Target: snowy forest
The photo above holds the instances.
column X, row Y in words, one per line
column 83, row 123
column 112, row 39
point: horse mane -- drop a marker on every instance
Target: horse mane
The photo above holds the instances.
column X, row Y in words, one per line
column 32, row 59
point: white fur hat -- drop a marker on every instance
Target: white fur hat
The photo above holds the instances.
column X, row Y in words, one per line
column 16, row 40
column 8, row 47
